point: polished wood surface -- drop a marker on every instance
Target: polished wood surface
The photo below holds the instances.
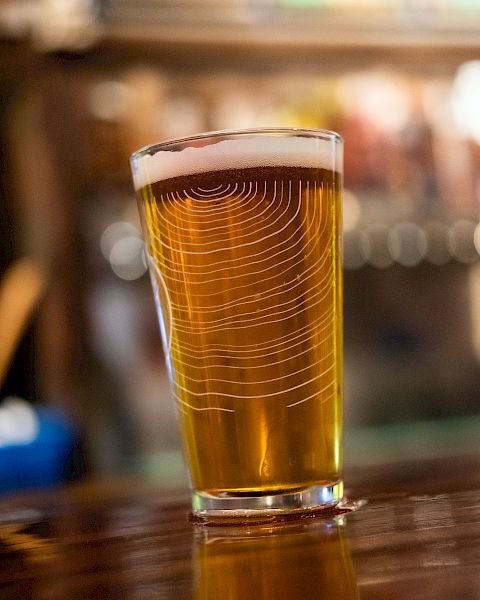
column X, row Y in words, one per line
column 417, row 536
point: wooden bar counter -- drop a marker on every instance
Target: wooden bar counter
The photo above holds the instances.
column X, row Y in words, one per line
column 416, row 536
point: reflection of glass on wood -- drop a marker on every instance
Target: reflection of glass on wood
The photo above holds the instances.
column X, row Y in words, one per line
column 302, row 561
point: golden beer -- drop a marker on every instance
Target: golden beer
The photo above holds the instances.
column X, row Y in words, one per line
column 246, row 268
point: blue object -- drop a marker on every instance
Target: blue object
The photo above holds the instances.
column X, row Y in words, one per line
column 41, row 461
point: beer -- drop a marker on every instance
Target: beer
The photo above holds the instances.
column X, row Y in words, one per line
column 245, row 264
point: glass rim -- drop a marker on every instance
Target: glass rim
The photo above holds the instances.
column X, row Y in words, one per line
column 323, row 134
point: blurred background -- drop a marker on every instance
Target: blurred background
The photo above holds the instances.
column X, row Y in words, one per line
column 83, row 83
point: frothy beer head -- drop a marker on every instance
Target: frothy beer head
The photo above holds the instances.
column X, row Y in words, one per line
column 236, row 153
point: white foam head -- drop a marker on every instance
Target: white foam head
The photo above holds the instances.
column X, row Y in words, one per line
column 239, row 153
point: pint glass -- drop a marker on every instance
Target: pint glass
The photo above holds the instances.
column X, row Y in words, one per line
column 243, row 238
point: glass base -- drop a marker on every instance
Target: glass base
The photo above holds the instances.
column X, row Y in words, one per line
column 206, row 507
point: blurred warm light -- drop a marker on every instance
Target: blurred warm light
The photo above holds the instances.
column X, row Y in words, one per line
column 62, row 24
column 374, row 246
column 19, row 423
column 351, row 210
column 407, row 244
column 466, row 99
column 460, row 241
column 122, row 245
column 181, row 116
column 437, row 250
column 352, row 257
column 474, row 293
column 114, row 233
column 234, row 109
column 148, row 92
column 476, row 238
column 127, row 258
column 109, row 100
column 379, row 98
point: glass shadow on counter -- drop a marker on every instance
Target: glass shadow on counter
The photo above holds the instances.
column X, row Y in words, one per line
column 298, row 560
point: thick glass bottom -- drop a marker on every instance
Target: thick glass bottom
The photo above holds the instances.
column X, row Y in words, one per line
column 207, row 507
